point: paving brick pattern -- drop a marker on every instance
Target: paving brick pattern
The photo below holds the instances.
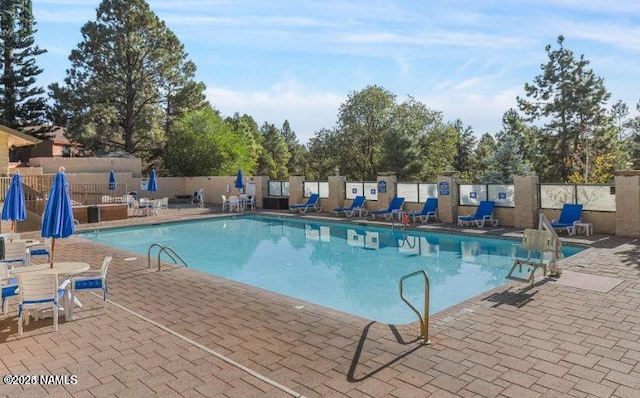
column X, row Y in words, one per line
column 547, row 341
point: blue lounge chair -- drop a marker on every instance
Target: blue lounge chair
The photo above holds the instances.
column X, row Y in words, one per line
column 394, row 208
column 569, row 216
column 430, row 209
column 484, row 213
column 356, row 205
column 312, row 203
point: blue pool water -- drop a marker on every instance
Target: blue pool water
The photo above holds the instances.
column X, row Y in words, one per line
column 345, row 267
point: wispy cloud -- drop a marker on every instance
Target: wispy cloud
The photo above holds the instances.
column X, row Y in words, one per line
column 298, row 60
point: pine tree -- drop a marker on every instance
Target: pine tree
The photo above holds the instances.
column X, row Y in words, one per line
column 298, row 152
column 22, row 103
column 129, row 79
column 569, row 99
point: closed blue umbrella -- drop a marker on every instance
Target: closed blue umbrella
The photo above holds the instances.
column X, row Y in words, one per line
column 113, row 184
column 152, row 185
column 239, row 183
column 57, row 221
column 14, row 208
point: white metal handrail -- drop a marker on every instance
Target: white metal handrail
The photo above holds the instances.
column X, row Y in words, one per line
column 423, row 318
column 164, row 249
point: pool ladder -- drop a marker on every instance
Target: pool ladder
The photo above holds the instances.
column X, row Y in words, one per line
column 164, row 249
column 424, row 319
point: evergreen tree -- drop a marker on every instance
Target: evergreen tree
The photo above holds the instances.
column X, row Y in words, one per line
column 129, row 79
column 298, row 152
column 22, row 103
column 633, row 125
column 525, row 137
column 569, row 99
column 483, row 156
column 466, row 144
column 275, row 154
column 505, row 163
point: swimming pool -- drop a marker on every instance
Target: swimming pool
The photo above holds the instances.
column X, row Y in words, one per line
column 354, row 269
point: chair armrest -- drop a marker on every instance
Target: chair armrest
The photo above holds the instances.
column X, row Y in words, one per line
column 87, row 274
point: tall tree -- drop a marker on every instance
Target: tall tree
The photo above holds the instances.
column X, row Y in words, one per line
column 466, row 144
column 298, row 152
column 505, row 163
column 325, row 154
column 363, row 120
column 483, row 156
column 525, row 138
column 275, row 154
column 129, row 78
column 633, row 125
column 569, row 99
column 22, row 102
column 418, row 144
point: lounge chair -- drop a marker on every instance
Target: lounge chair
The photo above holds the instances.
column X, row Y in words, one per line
column 484, row 213
column 312, row 203
column 394, row 208
column 356, row 205
column 430, row 209
column 569, row 216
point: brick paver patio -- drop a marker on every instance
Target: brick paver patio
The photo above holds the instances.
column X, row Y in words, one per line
column 183, row 333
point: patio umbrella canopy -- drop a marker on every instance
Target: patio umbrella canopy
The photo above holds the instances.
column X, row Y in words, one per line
column 152, row 185
column 57, row 221
column 239, row 183
column 14, row 208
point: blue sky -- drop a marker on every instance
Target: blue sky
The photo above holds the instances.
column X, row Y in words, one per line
column 298, row 60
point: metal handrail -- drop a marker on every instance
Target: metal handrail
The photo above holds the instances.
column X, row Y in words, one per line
column 424, row 320
column 169, row 251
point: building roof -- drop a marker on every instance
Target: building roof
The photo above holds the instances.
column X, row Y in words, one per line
column 17, row 138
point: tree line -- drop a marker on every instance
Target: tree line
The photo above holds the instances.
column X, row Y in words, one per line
column 130, row 87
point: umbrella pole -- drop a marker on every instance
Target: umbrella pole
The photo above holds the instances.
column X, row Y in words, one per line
column 11, row 235
column 53, row 245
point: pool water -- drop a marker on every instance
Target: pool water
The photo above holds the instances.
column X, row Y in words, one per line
column 345, row 267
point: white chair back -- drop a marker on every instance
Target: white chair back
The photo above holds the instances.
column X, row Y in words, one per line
column 7, row 236
column 234, row 203
column 15, row 251
column 105, row 266
column 37, row 287
column 37, row 291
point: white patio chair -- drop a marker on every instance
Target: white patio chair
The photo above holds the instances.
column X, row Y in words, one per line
column 15, row 253
column 9, row 287
column 234, row 203
column 225, row 202
column 38, row 292
column 91, row 280
column 165, row 204
column 43, row 249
